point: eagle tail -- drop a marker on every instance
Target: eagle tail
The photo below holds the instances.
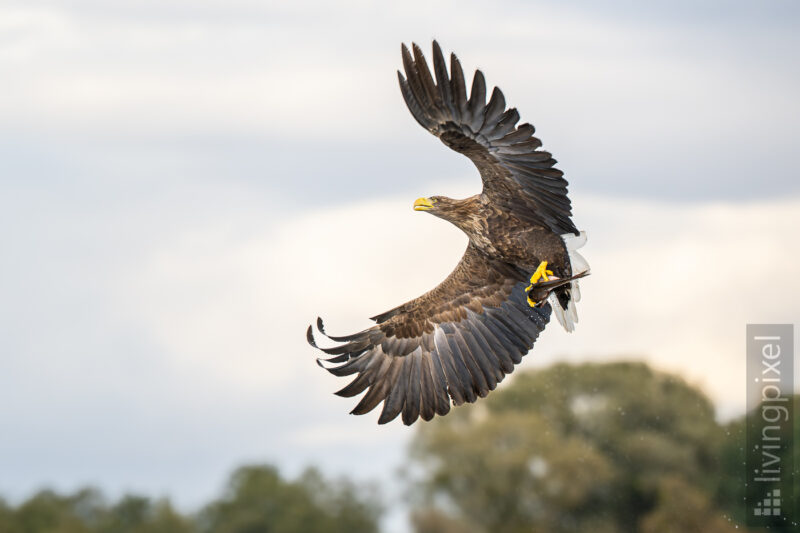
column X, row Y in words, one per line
column 563, row 300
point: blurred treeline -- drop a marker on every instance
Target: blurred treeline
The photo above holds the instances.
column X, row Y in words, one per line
column 256, row 500
column 615, row 447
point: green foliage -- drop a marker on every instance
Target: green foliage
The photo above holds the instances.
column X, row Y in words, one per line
column 431, row 520
column 683, row 507
column 733, row 488
column 257, row 500
column 611, row 447
column 134, row 514
column 87, row 512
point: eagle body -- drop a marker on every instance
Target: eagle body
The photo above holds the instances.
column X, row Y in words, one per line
column 456, row 342
column 501, row 235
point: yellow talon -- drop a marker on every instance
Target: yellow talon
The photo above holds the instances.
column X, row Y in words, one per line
column 541, row 273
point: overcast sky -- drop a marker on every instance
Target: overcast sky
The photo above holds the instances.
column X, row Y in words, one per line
column 185, row 185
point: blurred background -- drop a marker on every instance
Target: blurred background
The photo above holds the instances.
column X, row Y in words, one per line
column 186, row 185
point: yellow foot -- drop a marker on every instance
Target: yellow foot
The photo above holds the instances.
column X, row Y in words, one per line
column 541, row 273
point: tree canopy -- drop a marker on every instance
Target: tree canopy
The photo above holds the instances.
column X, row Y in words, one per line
column 257, row 499
column 572, row 448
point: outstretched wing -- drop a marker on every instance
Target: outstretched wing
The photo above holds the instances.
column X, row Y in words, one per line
column 456, row 342
column 516, row 174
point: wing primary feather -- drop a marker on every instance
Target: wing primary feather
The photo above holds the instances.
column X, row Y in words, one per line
column 518, row 312
column 454, row 386
column 505, row 124
column 351, row 349
column 499, row 348
column 442, row 79
column 458, row 87
column 478, row 376
column 367, row 371
column 468, row 381
column 416, row 110
column 439, row 384
column 533, row 156
column 516, row 333
column 520, row 135
column 425, row 75
column 522, row 326
column 494, row 355
column 415, row 84
column 310, row 336
column 485, row 362
column 505, row 151
column 355, row 387
column 357, row 364
column 338, row 359
column 495, row 108
column 344, row 338
column 377, row 390
column 477, row 101
column 413, row 398
column 393, row 403
column 503, row 336
column 541, row 315
column 427, row 407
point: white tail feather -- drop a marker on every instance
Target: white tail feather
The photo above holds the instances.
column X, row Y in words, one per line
column 569, row 317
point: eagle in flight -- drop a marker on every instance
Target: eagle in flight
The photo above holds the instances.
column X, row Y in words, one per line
column 459, row 340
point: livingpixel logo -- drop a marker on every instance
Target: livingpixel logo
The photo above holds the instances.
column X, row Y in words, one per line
column 769, row 506
column 770, row 425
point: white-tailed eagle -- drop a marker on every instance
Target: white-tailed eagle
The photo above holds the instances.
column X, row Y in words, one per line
column 458, row 341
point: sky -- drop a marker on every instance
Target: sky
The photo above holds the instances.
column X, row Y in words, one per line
column 185, row 186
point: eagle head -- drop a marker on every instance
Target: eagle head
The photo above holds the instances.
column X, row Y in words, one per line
column 437, row 205
column 455, row 211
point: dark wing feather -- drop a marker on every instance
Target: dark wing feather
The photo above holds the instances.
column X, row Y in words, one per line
column 516, row 174
column 454, row 343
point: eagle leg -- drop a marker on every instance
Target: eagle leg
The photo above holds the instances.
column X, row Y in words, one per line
column 541, row 273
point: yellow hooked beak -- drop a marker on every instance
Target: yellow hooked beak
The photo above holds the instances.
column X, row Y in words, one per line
column 423, row 204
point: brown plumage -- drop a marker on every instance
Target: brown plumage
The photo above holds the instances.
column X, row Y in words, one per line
column 458, row 341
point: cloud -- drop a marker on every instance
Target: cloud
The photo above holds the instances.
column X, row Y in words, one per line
column 627, row 104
